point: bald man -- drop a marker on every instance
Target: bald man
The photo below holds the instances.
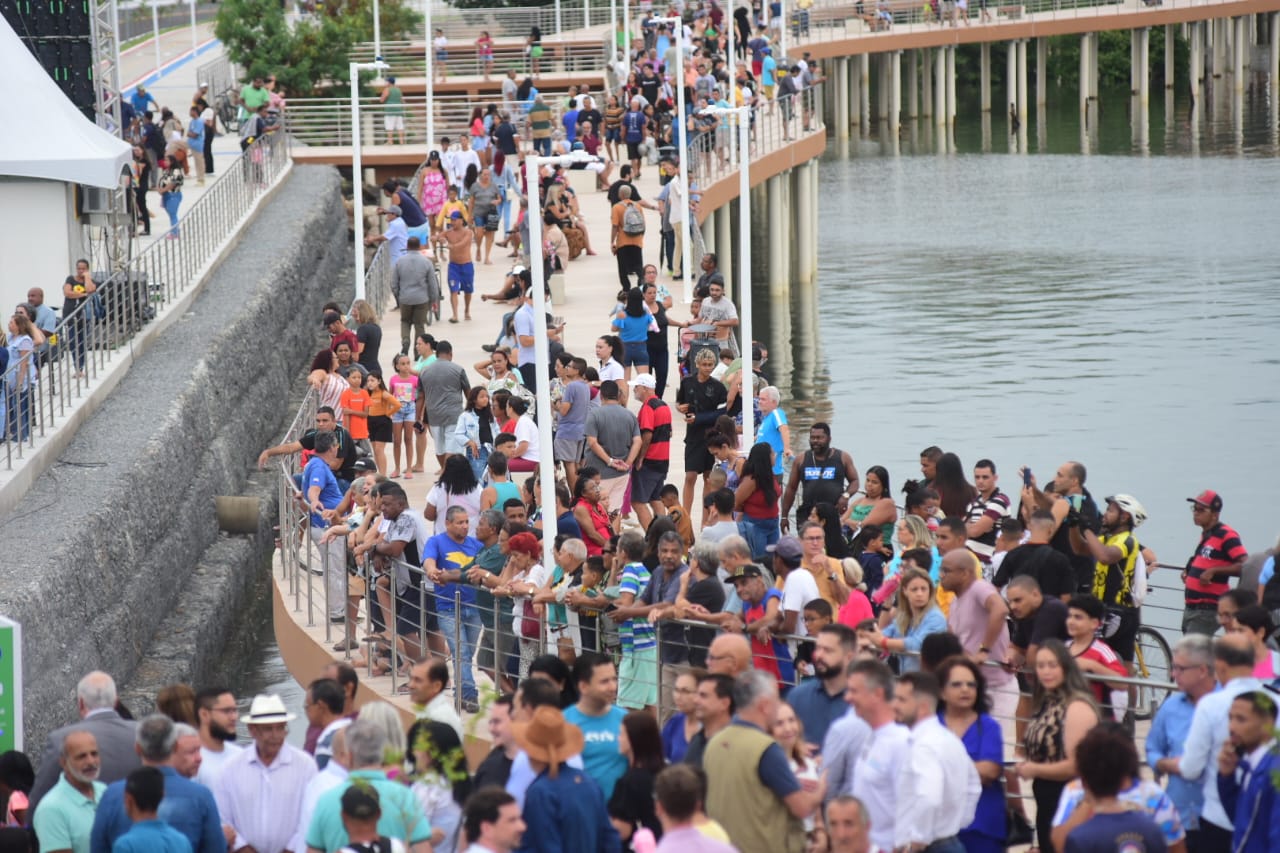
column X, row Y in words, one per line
column 729, row 655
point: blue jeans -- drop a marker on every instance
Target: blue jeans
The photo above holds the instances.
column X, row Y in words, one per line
column 542, row 146
column 171, row 203
column 19, row 414
column 479, row 464
column 759, row 533
column 470, row 635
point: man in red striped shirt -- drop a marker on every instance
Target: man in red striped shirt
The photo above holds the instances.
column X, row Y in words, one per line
column 1219, row 556
column 654, row 457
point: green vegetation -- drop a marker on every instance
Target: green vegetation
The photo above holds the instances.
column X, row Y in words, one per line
column 312, row 56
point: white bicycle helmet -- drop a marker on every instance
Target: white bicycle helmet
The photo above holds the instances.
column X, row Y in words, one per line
column 1131, row 505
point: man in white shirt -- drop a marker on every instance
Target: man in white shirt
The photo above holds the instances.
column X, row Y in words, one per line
column 260, row 791
column 217, row 713
column 427, row 683
column 883, row 758
column 462, row 159
column 1233, row 661
column 798, row 587
column 938, row 788
column 333, row 775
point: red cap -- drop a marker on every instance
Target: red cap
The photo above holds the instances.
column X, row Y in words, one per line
column 1208, row 498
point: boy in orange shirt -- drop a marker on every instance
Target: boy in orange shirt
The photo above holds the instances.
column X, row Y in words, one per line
column 355, row 411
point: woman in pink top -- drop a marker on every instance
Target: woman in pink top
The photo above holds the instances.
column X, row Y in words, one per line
column 404, row 387
column 857, row 607
column 1255, row 622
column 329, row 384
column 435, row 189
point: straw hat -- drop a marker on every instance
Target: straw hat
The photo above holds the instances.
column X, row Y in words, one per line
column 268, row 708
column 548, row 738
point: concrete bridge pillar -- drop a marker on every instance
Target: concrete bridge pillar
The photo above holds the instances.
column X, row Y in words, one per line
column 840, row 99
column 1170, row 43
column 951, row 84
column 940, row 87
column 1011, row 78
column 1042, row 71
column 1273, row 64
column 882, row 87
column 779, row 229
column 804, row 219
column 895, row 92
column 708, row 227
column 1095, row 44
column 1022, row 82
column 1139, row 56
column 854, row 92
column 1218, row 35
column 984, row 75
column 1240, row 47
column 926, row 81
column 913, row 84
column 865, row 85
column 724, row 241
column 1195, row 43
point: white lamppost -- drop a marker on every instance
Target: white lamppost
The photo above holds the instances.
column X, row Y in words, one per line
column 743, row 118
column 541, row 349
column 431, row 80
column 677, row 80
column 626, row 32
column 357, row 168
column 377, row 34
column 193, row 27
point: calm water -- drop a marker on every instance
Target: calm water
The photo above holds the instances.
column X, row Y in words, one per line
column 1117, row 309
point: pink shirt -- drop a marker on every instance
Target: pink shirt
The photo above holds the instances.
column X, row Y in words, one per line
column 968, row 621
column 855, row 609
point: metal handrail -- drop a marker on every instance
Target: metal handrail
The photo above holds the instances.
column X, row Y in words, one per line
column 99, row 332
column 408, row 59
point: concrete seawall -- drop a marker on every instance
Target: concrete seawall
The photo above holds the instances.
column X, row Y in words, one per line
column 114, row 557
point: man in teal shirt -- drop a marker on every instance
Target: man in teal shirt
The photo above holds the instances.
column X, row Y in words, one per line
column 64, row 817
column 401, row 816
column 143, row 791
column 599, row 719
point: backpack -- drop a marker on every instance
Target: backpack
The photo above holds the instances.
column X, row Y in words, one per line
column 633, row 220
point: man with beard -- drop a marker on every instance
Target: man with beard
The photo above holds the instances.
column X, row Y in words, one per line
column 64, row 820
column 217, row 713
column 828, row 474
column 818, row 702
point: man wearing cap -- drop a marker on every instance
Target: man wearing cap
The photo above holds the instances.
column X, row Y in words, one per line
column 762, row 614
column 400, row 816
column 1219, row 556
column 395, row 235
column 462, row 271
column 260, row 791
column 564, row 808
column 654, row 457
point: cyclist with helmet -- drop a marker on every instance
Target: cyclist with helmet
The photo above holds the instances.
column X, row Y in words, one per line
column 1116, row 551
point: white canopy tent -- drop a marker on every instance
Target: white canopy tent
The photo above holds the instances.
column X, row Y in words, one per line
column 57, row 142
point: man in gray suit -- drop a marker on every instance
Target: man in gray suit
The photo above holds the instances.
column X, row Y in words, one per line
column 96, row 703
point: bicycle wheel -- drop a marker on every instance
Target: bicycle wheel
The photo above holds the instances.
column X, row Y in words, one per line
column 1154, row 660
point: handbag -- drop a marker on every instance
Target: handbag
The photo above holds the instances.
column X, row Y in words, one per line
column 529, row 627
column 491, row 222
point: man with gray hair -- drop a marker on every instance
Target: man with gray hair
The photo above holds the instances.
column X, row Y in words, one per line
column 751, row 789
column 495, row 643
column 187, row 806
column 186, row 751
column 96, row 705
column 848, row 827
column 64, row 820
column 1193, row 673
column 402, row 817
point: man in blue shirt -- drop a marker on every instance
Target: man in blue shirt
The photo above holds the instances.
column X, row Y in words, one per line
column 1246, row 769
column 599, row 720
column 819, row 701
column 144, row 789
column 564, row 809
column 1193, row 673
column 186, row 806
column 141, row 101
column 322, row 494
column 446, row 558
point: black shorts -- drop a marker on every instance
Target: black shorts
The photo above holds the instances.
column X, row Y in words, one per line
column 380, row 428
column 647, row 483
column 633, row 150
column 697, row 459
column 1120, row 631
column 410, row 614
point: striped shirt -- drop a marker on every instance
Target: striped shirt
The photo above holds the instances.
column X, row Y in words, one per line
column 1219, row 547
column 995, row 508
column 635, row 634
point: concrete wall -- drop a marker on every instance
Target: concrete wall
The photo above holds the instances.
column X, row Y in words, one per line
column 115, row 551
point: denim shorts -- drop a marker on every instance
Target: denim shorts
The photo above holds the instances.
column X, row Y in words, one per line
column 635, row 354
column 406, row 413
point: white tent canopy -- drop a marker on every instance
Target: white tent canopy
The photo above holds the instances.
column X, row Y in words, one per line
column 56, row 142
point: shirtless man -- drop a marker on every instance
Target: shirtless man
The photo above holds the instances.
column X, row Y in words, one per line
column 462, row 272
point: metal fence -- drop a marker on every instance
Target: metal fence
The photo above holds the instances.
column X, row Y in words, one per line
column 835, row 21
column 585, row 55
column 42, row 390
column 222, row 75
column 555, row 18
column 774, row 124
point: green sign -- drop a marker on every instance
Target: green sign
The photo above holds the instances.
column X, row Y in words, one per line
column 10, row 685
